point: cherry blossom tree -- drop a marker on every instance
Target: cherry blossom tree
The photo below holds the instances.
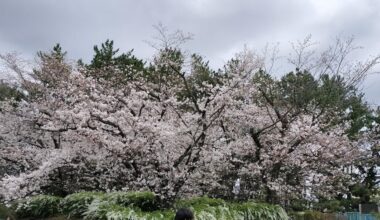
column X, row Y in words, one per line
column 176, row 128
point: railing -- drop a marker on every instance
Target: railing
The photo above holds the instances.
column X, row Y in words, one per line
column 340, row 216
column 359, row 216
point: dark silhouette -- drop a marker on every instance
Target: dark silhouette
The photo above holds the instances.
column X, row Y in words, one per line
column 184, row 214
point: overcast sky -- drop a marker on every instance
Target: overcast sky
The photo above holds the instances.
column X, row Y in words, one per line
column 220, row 27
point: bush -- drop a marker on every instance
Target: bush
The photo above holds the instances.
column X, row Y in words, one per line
column 99, row 210
column 139, row 205
column 307, row 215
column 123, row 214
column 5, row 212
column 329, row 206
column 252, row 210
column 313, row 215
column 350, row 205
column 145, row 201
column 207, row 208
column 296, row 215
column 130, row 214
column 75, row 205
column 298, row 205
column 38, row 206
column 120, row 203
column 203, row 208
column 199, row 202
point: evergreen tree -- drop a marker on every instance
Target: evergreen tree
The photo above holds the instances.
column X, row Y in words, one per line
column 106, row 58
column 9, row 92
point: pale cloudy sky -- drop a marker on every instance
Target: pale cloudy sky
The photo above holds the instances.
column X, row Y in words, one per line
column 220, row 27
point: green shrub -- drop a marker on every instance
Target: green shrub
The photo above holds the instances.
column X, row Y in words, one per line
column 38, row 206
column 99, row 209
column 218, row 209
column 5, row 212
column 75, row 205
column 119, row 202
column 251, row 210
column 350, row 205
column 130, row 214
column 296, row 215
column 298, row 205
column 203, row 208
column 159, row 215
column 139, row 205
column 199, row 202
column 313, row 215
column 145, row 201
column 329, row 206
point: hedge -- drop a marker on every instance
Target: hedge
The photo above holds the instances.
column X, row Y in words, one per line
column 141, row 205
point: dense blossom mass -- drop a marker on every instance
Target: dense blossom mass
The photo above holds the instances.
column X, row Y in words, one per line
column 176, row 127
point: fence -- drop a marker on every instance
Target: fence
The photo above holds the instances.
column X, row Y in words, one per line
column 359, row 216
column 337, row 216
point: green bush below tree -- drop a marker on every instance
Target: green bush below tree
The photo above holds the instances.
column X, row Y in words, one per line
column 139, row 205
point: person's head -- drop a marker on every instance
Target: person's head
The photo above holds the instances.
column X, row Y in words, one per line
column 184, row 214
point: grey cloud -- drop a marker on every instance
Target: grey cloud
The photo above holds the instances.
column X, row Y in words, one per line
column 220, row 26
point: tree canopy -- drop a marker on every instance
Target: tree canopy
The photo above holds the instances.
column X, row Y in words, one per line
column 177, row 127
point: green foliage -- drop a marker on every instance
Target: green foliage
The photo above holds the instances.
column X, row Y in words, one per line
column 201, row 74
column 38, row 206
column 51, row 73
column 106, row 210
column 98, row 209
column 298, row 205
column 56, row 54
column 252, row 210
column 75, row 205
column 266, row 85
column 145, row 201
column 130, row 214
column 208, row 208
column 299, row 89
column 166, row 70
column 350, row 204
column 126, row 205
column 336, row 95
column 363, row 194
column 199, row 202
column 329, row 206
column 105, row 55
column 313, row 215
column 96, row 205
column 9, row 92
column 296, row 215
column 325, row 95
column 138, row 206
column 217, row 210
column 117, row 68
column 375, row 197
column 5, row 212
